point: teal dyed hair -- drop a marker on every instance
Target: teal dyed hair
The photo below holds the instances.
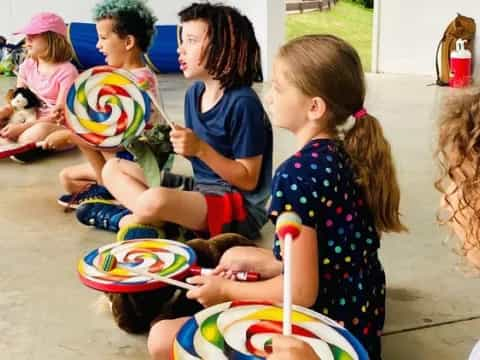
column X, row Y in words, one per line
column 131, row 17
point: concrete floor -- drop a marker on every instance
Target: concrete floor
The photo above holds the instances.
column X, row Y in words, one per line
column 46, row 313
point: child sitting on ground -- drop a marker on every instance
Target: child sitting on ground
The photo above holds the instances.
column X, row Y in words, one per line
column 125, row 29
column 227, row 138
column 344, row 188
column 48, row 73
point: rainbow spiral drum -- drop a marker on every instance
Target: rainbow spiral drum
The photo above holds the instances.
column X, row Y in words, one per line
column 242, row 330
column 132, row 261
column 105, row 106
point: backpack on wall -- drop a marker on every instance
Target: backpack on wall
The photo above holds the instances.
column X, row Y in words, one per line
column 461, row 27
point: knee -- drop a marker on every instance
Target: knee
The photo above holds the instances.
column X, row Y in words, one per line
column 160, row 340
column 35, row 133
column 150, row 205
column 109, row 170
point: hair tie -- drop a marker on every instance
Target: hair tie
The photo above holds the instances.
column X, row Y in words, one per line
column 360, row 113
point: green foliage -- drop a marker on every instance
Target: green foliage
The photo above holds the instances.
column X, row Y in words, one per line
column 348, row 20
column 151, row 150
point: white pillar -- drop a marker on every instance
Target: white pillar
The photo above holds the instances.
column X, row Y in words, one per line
column 375, row 35
column 268, row 18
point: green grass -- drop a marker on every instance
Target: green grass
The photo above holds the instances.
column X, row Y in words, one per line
column 348, row 20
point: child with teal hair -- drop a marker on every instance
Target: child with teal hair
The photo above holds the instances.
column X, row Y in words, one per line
column 125, row 30
column 129, row 18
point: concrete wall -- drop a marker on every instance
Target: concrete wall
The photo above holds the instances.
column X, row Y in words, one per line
column 267, row 16
column 409, row 32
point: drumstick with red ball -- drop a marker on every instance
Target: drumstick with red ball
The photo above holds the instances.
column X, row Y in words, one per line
column 239, row 275
column 109, row 262
column 287, row 228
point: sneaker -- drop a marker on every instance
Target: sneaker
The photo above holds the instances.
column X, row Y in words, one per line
column 167, row 230
column 138, row 231
column 102, row 214
column 31, row 155
column 92, row 192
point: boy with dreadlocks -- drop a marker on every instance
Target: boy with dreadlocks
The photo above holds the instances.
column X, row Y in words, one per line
column 227, row 137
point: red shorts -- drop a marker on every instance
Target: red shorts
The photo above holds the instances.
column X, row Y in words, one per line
column 228, row 213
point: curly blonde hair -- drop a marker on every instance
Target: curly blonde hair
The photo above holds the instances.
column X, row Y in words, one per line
column 458, row 156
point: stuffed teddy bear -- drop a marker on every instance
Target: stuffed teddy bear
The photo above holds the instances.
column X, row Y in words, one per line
column 134, row 313
column 25, row 104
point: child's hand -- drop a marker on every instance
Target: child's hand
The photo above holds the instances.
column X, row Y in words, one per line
column 238, row 258
column 185, row 142
column 58, row 140
column 291, row 348
column 211, row 289
column 58, row 114
column 55, row 115
column 225, row 272
column 12, row 131
column 248, row 258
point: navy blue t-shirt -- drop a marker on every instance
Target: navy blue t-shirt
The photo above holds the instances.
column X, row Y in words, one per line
column 237, row 127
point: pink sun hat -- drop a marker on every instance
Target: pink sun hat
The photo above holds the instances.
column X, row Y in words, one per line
column 43, row 22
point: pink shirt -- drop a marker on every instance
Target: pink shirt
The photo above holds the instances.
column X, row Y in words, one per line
column 48, row 87
column 146, row 76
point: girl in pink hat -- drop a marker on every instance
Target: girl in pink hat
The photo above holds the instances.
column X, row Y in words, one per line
column 48, row 73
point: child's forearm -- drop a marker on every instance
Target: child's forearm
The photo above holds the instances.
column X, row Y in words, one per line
column 230, row 170
column 269, row 290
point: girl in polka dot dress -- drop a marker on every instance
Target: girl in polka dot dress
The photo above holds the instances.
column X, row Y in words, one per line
column 344, row 189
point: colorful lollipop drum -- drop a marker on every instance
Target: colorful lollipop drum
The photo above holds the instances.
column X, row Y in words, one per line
column 105, row 106
column 124, row 267
column 243, row 330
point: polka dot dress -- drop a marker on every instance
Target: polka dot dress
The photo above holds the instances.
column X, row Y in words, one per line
column 318, row 184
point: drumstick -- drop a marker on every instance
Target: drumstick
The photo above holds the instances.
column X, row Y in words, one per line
column 166, row 280
column 239, row 275
column 160, row 109
column 288, row 227
column 154, row 101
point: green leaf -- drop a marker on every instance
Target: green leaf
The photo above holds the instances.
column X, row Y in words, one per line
column 151, row 151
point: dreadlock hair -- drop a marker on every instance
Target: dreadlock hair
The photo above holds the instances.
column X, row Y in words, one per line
column 458, row 156
column 131, row 17
column 330, row 68
column 233, row 54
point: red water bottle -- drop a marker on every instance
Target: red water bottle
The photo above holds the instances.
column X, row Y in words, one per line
column 460, row 65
